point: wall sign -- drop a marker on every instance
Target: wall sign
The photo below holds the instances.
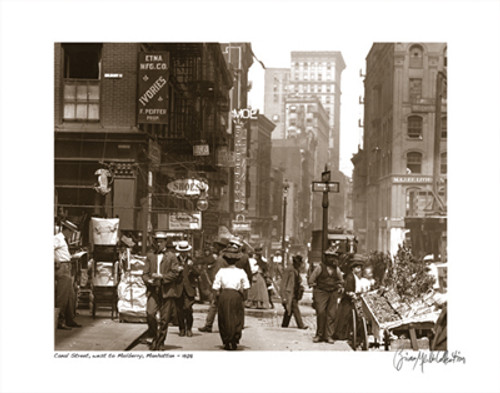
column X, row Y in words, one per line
column 181, row 221
column 152, row 87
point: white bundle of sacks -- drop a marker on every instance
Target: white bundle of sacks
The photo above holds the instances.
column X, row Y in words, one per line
column 132, row 297
column 105, row 230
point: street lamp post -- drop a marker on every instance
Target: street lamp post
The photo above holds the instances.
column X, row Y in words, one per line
column 283, row 241
column 325, row 177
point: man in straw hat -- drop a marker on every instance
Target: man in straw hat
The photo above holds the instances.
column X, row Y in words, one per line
column 327, row 283
column 163, row 277
column 190, row 276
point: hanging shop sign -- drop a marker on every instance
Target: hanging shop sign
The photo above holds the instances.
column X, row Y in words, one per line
column 241, row 115
column 201, row 150
column 181, row 221
column 240, row 167
column 187, row 187
column 224, row 157
column 152, row 87
column 154, row 154
column 104, row 181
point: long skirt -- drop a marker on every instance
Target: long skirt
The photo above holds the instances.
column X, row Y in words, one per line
column 343, row 324
column 258, row 296
column 230, row 316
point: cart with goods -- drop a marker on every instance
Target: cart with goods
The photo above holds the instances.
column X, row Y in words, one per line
column 132, row 298
column 359, row 325
column 105, row 265
column 385, row 312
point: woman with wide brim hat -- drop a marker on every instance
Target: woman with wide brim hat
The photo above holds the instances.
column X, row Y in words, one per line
column 343, row 325
column 231, row 284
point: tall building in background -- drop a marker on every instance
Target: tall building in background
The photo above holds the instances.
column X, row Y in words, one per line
column 275, row 93
column 304, row 103
column 318, row 74
column 399, row 178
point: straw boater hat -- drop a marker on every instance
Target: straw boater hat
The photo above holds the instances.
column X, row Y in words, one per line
column 160, row 235
column 183, row 246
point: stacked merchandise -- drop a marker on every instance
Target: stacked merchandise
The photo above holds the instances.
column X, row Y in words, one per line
column 132, row 297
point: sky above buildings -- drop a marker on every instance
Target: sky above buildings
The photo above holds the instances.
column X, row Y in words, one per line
column 353, row 52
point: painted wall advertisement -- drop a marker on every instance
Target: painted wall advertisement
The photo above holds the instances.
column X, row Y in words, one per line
column 152, row 87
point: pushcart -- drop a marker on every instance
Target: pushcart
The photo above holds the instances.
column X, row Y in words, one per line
column 382, row 317
column 359, row 326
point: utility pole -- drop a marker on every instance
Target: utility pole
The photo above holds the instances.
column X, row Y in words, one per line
column 283, row 233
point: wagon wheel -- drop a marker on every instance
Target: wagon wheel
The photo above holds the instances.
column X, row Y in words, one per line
column 354, row 330
column 365, row 335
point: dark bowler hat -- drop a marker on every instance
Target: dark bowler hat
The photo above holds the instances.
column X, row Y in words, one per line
column 297, row 258
column 169, row 243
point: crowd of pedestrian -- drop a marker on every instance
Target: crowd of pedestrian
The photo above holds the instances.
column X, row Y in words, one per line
column 231, row 276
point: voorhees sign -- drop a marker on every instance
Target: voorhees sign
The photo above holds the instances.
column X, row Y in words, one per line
column 152, row 87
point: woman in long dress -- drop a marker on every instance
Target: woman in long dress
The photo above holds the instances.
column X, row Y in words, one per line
column 232, row 284
column 343, row 323
column 258, row 296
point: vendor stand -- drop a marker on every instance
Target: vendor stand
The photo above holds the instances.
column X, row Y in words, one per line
column 385, row 312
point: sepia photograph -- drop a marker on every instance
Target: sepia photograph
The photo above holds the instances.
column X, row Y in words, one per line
column 181, row 208
column 249, row 196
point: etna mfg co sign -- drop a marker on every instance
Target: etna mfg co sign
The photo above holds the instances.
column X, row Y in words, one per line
column 152, row 87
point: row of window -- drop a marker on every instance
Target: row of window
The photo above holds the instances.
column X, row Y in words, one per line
column 417, row 57
column 415, row 127
column 414, row 162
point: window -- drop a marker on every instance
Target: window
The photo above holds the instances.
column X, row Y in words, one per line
column 415, row 90
column 415, row 127
column 444, row 163
column 276, row 118
column 82, row 63
column 275, row 98
column 445, row 59
column 414, row 162
column 416, row 56
column 444, row 127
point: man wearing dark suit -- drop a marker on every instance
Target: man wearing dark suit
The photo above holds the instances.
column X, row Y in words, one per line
column 291, row 293
column 190, row 276
column 163, row 277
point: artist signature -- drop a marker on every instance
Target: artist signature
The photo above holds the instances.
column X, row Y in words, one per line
column 422, row 357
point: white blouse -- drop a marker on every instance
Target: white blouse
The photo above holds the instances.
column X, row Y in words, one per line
column 231, row 278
